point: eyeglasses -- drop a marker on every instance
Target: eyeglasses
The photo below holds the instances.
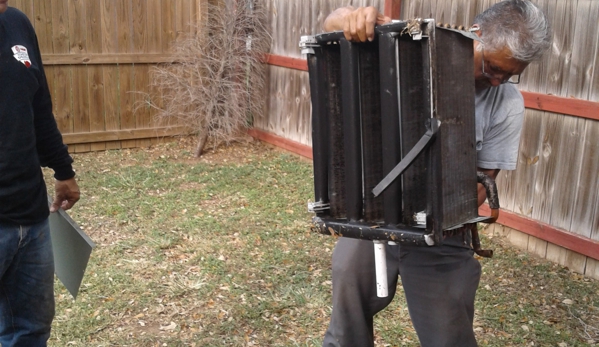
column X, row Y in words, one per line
column 498, row 74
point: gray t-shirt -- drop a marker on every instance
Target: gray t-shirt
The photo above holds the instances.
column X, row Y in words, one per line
column 499, row 115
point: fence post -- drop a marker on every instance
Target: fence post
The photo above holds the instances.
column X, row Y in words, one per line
column 393, row 8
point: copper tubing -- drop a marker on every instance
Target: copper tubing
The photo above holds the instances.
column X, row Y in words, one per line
column 492, row 196
column 486, row 253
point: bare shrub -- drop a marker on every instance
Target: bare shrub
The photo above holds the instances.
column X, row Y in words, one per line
column 217, row 82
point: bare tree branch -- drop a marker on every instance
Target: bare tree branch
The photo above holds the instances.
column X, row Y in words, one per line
column 218, row 82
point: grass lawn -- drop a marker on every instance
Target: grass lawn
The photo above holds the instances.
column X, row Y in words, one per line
column 218, row 251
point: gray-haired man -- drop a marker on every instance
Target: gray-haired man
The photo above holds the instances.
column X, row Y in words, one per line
column 440, row 282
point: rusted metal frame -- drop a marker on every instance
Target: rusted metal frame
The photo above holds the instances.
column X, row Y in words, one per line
column 453, row 155
column 355, row 102
column 365, row 231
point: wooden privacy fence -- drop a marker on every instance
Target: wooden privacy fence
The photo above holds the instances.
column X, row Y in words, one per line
column 98, row 55
column 550, row 204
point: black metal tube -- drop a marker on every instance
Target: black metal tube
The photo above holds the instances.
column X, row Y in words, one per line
column 320, row 121
column 355, row 230
column 370, row 113
column 390, row 116
column 336, row 155
column 352, row 140
column 490, row 187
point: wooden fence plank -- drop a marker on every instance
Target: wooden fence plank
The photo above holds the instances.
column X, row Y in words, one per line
column 18, row 4
column 94, row 37
column 126, row 100
column 109, row 25
column 107, row 58
column 59, row 77
column 168, row 25
column 585, row 215
column 42, row 21
column 592, row 269
column 581, row 67
column 393, row 8
column 154, row 27
column 110, row 72
column 566, row 176
column 95, row 72
column 537, row 246
column 289, row 96
column 80, row 78
column 288, row 62
column 141, row 107
column 564, row 13
column 126, row 72
column 111, row 102
column 594, row 84
column 42, row 15
column 77, row 27
column 140, row 27
column 96, row 95
column 544, row 231
column 545, row 179
column 528, row 162
column 124, row 27
column 182, row 18
column 62, row 99
column 81, row 105
column 141, row 71
column 568, row 106
column 120, row 135
column 60, row 26
column 27, row 8
column 281, row 142
column 574, row 261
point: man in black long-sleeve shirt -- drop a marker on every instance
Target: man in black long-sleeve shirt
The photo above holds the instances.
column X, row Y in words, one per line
column 29, row 139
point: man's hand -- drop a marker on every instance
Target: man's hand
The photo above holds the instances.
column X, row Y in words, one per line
column 66, row 194
column 357, row 23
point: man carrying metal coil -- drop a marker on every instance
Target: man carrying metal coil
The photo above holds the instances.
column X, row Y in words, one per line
column 440, row 282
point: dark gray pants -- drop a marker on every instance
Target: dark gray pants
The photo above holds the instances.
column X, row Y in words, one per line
column 439, row 284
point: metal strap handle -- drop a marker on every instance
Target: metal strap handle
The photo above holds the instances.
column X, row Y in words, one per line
column 425, row 140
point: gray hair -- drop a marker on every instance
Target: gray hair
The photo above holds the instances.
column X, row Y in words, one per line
column 518, row 25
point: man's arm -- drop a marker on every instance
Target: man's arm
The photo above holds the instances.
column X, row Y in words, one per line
column 357, row 23
column 482, row 194
column 50, row 148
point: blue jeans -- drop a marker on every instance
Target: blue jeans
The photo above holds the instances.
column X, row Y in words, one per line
column 26, row 285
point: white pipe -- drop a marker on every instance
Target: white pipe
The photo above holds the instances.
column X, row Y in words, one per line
column 380, row 261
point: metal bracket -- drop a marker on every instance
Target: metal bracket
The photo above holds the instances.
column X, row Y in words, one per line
column 307, row 44
column 414, row 29
column 318, row 206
